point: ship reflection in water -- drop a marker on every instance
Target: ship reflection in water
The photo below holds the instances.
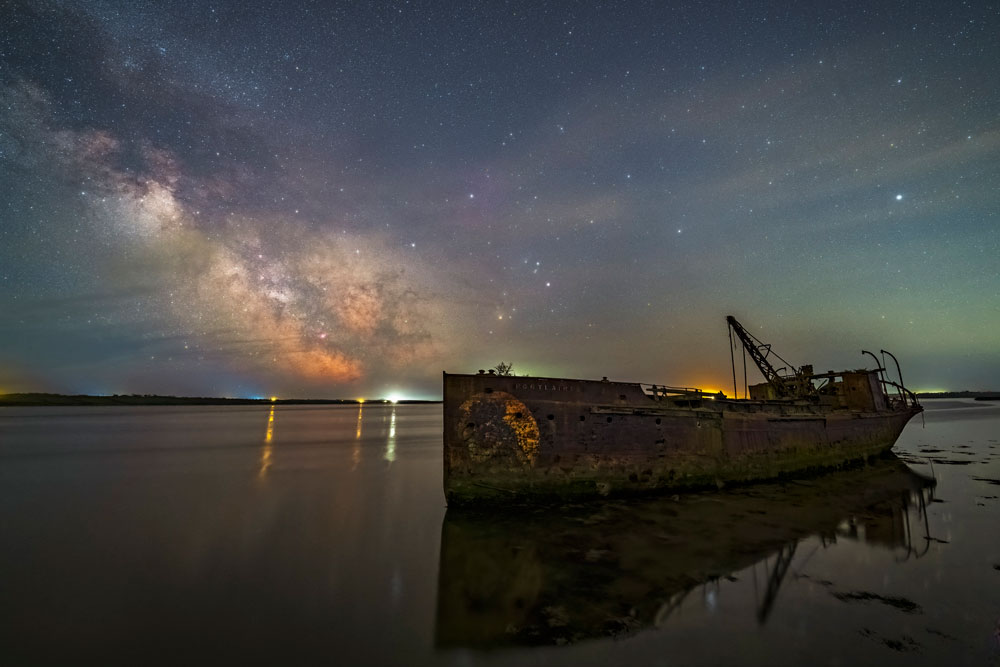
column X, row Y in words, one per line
column 531, row 576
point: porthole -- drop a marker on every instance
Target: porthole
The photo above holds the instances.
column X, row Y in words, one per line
column 609, row 420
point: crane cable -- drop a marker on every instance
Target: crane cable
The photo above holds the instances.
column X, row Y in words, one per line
column 732, row 360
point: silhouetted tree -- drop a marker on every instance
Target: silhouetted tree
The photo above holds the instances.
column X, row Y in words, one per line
column 504, row 368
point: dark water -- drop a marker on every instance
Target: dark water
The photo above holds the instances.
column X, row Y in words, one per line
column 320, row 535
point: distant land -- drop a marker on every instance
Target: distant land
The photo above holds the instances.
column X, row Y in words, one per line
column 36, row 399
column 978, row 395
column 151, row 399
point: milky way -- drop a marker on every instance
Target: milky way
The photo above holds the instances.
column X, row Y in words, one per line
column 340, row 200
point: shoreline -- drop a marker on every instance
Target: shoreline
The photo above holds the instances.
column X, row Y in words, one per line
column 42, row 400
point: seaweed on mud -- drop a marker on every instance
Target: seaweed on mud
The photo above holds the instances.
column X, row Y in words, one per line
column 902, row 604
column 822, row 582
column 904, row 643
column 944, row 635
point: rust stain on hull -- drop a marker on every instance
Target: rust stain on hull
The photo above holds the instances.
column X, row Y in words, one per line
column 498, row 428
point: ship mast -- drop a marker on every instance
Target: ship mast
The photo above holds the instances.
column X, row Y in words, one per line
column 791, row 385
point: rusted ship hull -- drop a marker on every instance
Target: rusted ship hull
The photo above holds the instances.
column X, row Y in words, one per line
column 521, row 439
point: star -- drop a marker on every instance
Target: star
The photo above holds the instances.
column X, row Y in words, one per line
column 236, row 192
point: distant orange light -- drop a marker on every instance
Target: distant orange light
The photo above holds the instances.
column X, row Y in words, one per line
column 274, row 398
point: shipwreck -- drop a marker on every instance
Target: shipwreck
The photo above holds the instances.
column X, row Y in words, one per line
column 517, row 439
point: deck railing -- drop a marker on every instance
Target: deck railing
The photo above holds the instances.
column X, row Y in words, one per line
column 662, row 391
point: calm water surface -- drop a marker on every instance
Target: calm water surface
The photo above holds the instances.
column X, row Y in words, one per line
column 316, row 534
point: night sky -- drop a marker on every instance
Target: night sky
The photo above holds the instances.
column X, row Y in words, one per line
column 322, row 199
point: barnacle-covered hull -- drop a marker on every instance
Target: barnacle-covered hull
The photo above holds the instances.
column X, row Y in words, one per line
column 522, row 439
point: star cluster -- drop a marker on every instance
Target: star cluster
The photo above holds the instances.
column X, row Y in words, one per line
column 340, row 199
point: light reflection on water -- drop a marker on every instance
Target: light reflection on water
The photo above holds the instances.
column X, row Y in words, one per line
column 390, row 443
column 265, row 453
column 135, row 532
column 613, row 569
column 356, row 451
